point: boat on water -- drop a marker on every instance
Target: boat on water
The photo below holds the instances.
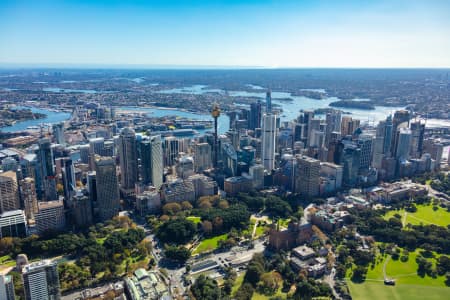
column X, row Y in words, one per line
column 33, row 127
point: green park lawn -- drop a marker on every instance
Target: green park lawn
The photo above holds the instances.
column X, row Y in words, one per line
column 237, row 283
column 424, row 214
column 409, row 285
column 209, row 244
column 283, row 223
column 259, row 231
column 7, row 261
column 377, row 290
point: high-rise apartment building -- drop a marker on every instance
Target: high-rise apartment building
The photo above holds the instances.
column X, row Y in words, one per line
column 152, row 161
column 417, row 137
column 402, row 143
column 269, row 102
column 13, row 223
column 257, row 173
column 351, row 159
column 96, row 146
column 401, row 119
column 7, row 287
column 128, row 159
column 313, row 126
column 58, row 133
column 50, row 216
column 145, row 156
column 268, row 141
column 41, row 281
column 68, row 178
column 172, row 146
column 29, row 198
column 254, row 119
column 349, row 125
column 82, row 209
column 9, row 192
column 333, row 121
column 307, row 176
column 46, row 169
column 108, row 199
column 365, row 143
column 202, row 157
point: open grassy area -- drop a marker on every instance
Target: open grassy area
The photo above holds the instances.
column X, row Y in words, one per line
column 194, row 219
column 409, row 285
column 7, row 261
column 237, row 283
column 260, row 230
column 424, row 214
column 377, row 290
column 283, row 223
column 209, row 244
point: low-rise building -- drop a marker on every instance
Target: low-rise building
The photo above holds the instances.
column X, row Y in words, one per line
column 289, row 238
column 144, row 285
column 329, row 220
column 148, row 202
column 178, row 191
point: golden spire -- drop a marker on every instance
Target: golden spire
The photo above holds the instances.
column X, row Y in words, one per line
column 215, row 112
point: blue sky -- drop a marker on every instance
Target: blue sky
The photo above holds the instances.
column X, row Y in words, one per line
column 410, row 33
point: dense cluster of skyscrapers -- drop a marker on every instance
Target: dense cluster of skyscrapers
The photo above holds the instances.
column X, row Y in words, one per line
column 53, row 185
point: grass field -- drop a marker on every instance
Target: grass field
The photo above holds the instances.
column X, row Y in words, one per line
column 408, row 284
column 209, row 244
column 283, row 223
column 237, row 283
column 6, row 261
column 424, row 214
column 377, row 291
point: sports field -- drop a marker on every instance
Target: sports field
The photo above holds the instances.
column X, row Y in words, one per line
column 424, row 215
column 379, row 291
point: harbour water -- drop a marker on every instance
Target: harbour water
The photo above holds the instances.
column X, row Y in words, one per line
column 290, row 109
column 51, row 118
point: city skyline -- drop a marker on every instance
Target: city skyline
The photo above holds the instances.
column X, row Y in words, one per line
column 231, row 34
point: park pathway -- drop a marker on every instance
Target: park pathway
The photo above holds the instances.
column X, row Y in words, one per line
column 384, row 267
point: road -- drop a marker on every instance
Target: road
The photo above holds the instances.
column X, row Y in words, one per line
column 329, row 279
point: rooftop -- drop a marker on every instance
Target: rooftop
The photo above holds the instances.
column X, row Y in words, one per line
column 37, row 265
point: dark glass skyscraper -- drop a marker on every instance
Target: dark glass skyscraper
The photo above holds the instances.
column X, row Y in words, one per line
column 46, row 168
column 268, row 102
column 254, row 120
column 107, row 187
column 128, row 158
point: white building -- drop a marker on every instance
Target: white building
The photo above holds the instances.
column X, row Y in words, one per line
column 41, row 281
column 13, row 223
column 6, row 287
